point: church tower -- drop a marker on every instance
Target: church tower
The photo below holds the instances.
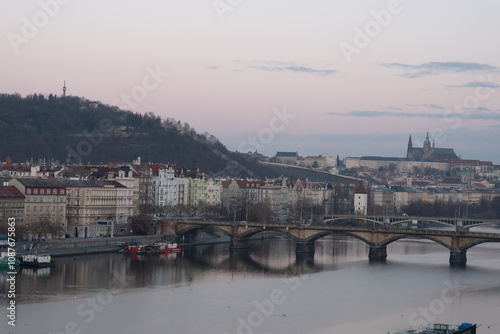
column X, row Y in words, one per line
column 409, row 150
column 427, row 147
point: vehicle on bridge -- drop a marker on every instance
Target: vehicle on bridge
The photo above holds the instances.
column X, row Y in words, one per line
column 464, row 328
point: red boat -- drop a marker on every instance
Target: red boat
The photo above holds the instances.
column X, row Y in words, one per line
column 168, row 248
column 157, row 248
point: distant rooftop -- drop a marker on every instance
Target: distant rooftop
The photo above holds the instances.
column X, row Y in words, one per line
column 383, row 158
column 286, row 154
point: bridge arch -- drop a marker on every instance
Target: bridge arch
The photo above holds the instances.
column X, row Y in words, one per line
column 479, row 223
column 404, row 236
column 193, row 228
column 475, row 243
column 355, row 218
column 383, row 243
column 251, row 231
column 379, row 221
column 320, row 235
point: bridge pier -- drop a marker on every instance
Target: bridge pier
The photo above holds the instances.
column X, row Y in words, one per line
column 304, row 259
column 237, row 243
column 304, row 247
column 377, row 253
column 458, row 258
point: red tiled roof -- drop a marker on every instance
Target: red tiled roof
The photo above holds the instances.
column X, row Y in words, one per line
column 10, row 192
column 360, row 189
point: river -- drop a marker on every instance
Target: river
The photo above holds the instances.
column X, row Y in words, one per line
column 262, row 289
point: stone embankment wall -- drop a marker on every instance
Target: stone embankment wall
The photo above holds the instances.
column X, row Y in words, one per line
column 74, row 246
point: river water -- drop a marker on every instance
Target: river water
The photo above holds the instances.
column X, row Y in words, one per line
column 262, row 289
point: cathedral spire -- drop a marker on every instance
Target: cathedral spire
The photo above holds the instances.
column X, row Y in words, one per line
column 427, row 141
column 409, row 149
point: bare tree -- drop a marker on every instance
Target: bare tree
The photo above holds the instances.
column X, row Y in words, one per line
column 142, row 224
column 45, row 228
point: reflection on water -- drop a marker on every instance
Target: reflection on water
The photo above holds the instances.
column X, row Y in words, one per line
column 35, row 272
column 213, row 263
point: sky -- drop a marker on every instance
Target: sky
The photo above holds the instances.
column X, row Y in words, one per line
column 351, row 78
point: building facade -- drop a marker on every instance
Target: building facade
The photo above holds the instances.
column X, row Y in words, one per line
column 11, row 205
column 45, row 202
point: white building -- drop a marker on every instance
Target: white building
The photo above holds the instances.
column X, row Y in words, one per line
column 360, row 200
column 164, row 187
column 214, row 192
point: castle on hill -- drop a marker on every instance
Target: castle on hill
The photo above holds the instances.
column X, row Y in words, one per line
column 429, row 153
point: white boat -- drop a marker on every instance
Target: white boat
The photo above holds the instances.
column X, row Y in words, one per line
column 36, row 260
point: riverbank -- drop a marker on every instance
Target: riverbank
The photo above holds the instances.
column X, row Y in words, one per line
column 74, row 246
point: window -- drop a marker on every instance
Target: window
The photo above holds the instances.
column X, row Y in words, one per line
column 28, row 191
column 34, row 209
column 42, row 191
column 35, row 191
column 49, row 191
column 62, row 191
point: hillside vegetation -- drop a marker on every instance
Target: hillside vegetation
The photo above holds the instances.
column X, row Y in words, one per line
column 52, row 127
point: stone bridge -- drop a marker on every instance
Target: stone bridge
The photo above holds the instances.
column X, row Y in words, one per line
column 458, row 223
column 305, row 235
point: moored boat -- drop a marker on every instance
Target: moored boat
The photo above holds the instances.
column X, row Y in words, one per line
column 37, row 261
column 169, row 248
column 7, row 262
column 157, row 248
column 464, row 328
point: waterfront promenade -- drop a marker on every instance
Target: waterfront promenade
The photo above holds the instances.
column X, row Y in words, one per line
column 76, row 246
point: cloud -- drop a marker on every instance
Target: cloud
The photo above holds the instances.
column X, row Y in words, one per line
column 434, row 68
column 432, row 106
column 373, row 113
column 284, row 66
column 473, row 84
column 276, row 66
column 394, row 108
column 301, row 69
column 480, row 109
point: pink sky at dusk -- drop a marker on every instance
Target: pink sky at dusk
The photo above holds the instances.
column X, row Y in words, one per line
column 226, row 76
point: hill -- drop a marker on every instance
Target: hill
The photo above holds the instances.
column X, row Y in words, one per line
column 80, row 130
